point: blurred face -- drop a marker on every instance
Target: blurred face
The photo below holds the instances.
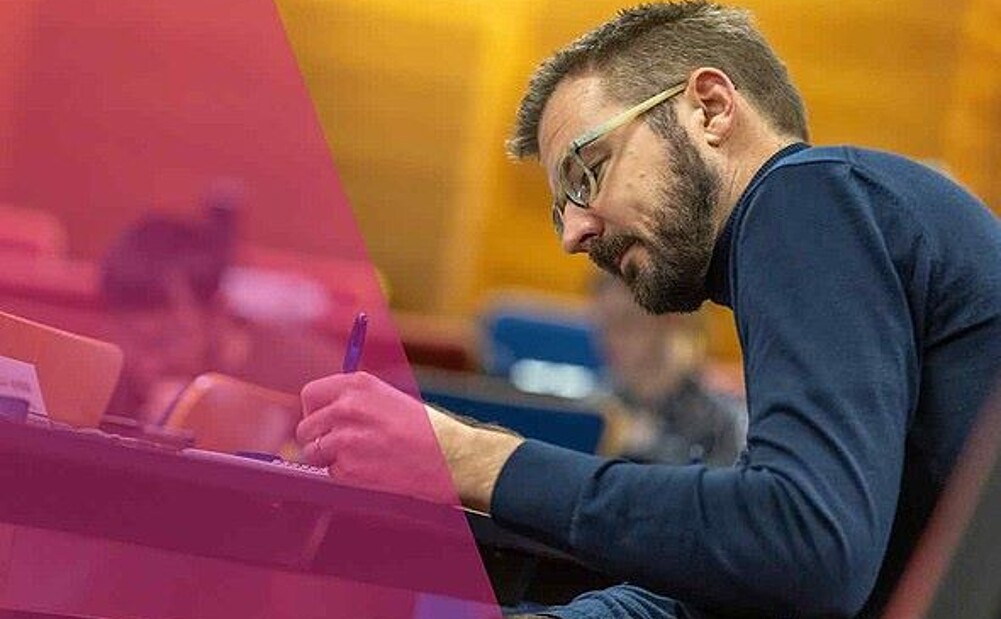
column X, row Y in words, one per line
column 651, row 221
column 640, row 347
column 628, row 334
column 172, row 343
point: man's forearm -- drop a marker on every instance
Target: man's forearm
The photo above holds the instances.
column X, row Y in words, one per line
column 474, row 455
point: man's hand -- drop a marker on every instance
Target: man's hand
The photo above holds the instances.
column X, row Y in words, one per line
column 373, row 435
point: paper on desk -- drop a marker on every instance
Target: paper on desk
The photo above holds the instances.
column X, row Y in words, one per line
column 20, row 380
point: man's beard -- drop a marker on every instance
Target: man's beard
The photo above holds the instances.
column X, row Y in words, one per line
column 683, row 235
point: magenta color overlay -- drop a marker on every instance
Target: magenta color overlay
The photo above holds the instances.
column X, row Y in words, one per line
column 113, row 108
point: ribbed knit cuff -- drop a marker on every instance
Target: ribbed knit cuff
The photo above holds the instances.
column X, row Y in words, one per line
column 538, row 490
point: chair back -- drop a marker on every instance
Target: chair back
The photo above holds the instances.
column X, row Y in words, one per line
column 559, row 421
column 229, row 415
column 541, row 350
column 31, row 231
column 953, row 571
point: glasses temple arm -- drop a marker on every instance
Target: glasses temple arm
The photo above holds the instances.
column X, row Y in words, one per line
column 626, row 116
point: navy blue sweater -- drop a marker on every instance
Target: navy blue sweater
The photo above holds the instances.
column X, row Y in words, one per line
column 866, row 290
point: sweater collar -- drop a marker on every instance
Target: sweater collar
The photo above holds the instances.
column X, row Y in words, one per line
column 718, row 275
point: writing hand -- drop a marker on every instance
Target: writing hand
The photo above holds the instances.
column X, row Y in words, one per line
column 372, row 435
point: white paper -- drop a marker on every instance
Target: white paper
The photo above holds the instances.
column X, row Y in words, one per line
column 20, row 380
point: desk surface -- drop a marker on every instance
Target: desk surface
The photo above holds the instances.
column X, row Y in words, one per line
column 91, row 489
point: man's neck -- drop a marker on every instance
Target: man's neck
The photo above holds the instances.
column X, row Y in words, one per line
column 750, row 157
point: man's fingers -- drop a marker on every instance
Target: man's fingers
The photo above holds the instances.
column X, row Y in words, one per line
column 313, row 426
column 322, row 392
column 315, row 452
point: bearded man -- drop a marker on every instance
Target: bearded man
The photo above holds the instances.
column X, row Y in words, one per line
column 866, row 290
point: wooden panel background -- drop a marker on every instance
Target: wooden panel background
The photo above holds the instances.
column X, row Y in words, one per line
column 416, row 99
column 914, row 76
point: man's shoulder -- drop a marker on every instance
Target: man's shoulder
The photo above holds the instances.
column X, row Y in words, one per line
column 842, row 159
column 802, row 173
column 808, row 178
column 851, row 175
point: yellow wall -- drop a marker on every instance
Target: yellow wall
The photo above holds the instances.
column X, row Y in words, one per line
column 416, row 99
column 971, row 146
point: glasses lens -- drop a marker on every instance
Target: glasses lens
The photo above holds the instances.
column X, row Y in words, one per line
column 558, row 207
column 579, row 182
column 573, row 179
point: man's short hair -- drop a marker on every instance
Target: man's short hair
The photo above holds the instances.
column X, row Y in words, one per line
column 652, row 46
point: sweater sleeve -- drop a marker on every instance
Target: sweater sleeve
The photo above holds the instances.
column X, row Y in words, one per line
column 620, row 602
column 801, row 524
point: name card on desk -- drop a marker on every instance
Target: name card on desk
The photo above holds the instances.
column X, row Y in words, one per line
column 20, row 380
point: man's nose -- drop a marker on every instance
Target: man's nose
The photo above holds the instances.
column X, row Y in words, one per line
column 579, row 227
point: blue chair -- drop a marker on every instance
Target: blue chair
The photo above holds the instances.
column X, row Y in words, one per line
column 541, row 350
column 562, row 422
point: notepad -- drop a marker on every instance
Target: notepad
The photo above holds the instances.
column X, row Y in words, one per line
column 256, row 461
column 19, row 379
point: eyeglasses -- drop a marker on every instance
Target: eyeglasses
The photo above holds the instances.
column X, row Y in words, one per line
column 578, row 181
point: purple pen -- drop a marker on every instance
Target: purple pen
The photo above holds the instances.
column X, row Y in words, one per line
column 356, row 342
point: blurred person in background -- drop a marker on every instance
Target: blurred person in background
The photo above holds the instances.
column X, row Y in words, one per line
column 668, row 411
column 161, row 282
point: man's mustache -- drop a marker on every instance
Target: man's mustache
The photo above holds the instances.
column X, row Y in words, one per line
column 606, row 252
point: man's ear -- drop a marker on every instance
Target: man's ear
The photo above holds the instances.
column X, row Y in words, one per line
column 714, row 96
